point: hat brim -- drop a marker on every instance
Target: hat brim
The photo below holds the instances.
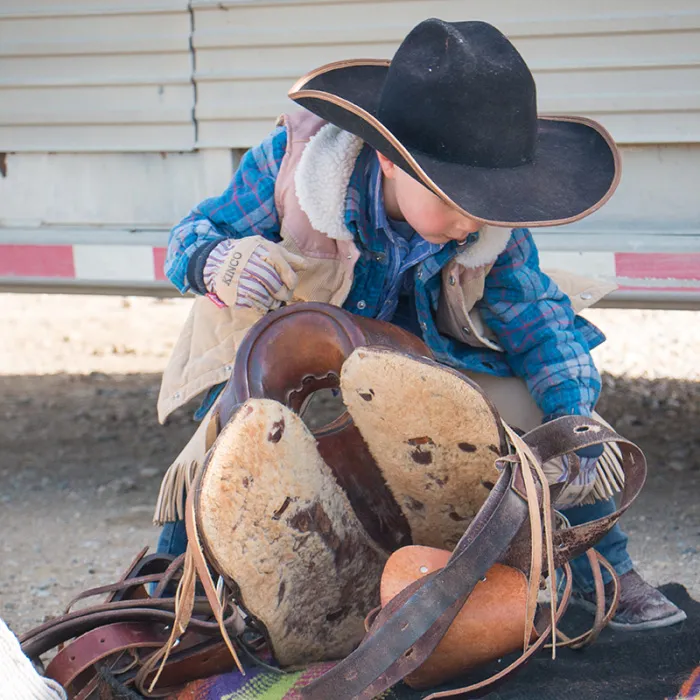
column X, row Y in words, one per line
column 575, row 169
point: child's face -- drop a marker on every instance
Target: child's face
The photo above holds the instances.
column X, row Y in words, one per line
column 434, row 220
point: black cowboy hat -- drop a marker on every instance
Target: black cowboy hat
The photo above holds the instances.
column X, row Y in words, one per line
column 456, row 109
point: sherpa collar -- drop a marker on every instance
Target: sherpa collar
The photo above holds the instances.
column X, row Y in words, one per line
column 322, row 178
column 321, row 181
column 491, row 243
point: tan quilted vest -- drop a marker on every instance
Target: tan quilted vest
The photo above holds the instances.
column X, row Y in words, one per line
column 204, row 353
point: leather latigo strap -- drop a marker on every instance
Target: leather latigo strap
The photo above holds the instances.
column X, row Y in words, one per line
column 130, row 620
column 407, row 631
column 60, row 630
column 197, row 657
column 570, row 433
column 101, row 643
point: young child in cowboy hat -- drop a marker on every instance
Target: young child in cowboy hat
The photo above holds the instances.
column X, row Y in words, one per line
column 404, row 191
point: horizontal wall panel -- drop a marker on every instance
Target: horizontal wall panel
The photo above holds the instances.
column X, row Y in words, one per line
column 110, row 190
column 64, row 8
column 95, row 138
column 260, row 22
column 633, row 66
column 96, row 75
column 101, row 70
column 100, row 34
column 126, row 105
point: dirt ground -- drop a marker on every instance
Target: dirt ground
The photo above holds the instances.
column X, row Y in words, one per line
column 81, row 452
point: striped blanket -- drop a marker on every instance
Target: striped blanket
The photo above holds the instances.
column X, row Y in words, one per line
column 259, row 684
column 263, row 685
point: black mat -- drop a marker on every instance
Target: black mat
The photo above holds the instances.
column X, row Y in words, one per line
column 650, row 665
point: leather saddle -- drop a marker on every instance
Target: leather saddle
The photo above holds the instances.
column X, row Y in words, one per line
column 408, row 538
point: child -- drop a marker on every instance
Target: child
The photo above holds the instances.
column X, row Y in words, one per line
column 403, row 192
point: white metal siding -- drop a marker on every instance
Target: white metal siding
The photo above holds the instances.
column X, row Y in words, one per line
column 634, row 66
column 117, row 75
column 95, row 75
column 112, row 190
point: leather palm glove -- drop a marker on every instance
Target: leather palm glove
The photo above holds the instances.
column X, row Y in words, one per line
column 251, row 272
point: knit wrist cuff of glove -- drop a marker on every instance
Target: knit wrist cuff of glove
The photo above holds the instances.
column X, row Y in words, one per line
column 215, row 258
column 195, row 267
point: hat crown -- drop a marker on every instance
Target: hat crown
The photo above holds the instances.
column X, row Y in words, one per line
column 461, row 93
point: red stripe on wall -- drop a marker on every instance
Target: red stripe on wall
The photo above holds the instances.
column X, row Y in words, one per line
column 159, row 263
column 642, row 288
column 37, row 261
column 660, row 266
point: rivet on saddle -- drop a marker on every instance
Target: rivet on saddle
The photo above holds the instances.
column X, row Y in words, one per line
column 418, row 499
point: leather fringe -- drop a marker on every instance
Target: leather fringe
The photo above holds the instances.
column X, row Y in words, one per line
column 183, row 471
column 173, row 492
column 610, row 478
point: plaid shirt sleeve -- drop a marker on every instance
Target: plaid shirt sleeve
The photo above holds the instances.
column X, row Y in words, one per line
column 246, row 208
column 534, row 323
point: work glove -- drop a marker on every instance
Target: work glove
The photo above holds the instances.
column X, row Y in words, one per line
column 251, row 273
column 581, row 485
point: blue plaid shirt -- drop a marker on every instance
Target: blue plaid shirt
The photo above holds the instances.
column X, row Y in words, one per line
column 397, row 278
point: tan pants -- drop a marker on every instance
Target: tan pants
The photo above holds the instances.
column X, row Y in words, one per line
column 512, row 399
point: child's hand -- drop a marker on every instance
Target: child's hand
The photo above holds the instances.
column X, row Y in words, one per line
column 252, row 273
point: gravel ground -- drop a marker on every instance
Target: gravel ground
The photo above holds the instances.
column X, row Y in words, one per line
column 81, row 453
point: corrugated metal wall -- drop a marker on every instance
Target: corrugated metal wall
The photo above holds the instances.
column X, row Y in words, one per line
column 96, row 75
column 634, row 66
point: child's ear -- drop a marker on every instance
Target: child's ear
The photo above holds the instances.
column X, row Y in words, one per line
column 388, row 168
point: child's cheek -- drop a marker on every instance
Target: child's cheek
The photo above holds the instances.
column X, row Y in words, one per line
column 423, row 210
column 432, row 220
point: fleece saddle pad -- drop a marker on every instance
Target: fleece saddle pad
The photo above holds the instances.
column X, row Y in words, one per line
column 275, row 520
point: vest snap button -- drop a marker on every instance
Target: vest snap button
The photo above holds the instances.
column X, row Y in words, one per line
column 467, row 331
column 362, row 304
